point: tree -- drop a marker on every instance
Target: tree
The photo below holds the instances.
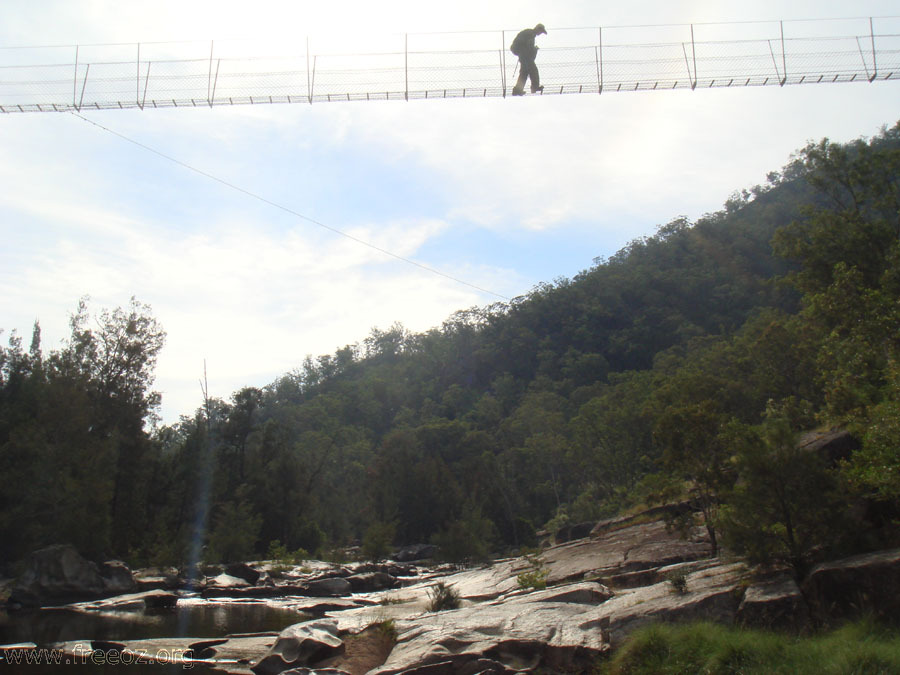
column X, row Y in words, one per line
column 118, row 355
column 115, row 354
column 857, row 219
column 466, row 539
column 695, row 448
column 613, row 434
column 875, row 468
column 378, row 540
column 786, row 506
column 234, row 534
column 73, row 437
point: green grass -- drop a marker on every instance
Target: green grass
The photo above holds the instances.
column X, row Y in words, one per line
column 860, row 648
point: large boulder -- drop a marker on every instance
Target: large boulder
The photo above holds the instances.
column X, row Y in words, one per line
column 855, row 585
column 369, row 582
column 58, row 575
column 156, row 578
column 117, row 577
column 575, row 531
column 303, row 644
column 415, row 552
column 227, row 581
column 774, row 604
column 331, row 587
column 393, row 568
column 832, row 446
column 243, row 571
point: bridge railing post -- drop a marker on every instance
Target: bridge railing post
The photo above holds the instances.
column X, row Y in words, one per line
column 783, row 56
column 209, row 77
column 75, row 79
column 503, row 61
column 874, row 61
column 309, row 94
column 694, row 56
column 146, row 83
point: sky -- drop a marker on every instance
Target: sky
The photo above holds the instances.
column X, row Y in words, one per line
column 496, row 197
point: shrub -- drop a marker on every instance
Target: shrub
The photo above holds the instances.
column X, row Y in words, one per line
column 387, row 629
column 536, row 577
column 443, row 596
column 678, row 581
column 276, row 551
column 279, row 552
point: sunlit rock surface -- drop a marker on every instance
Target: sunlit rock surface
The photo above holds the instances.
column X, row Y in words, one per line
column 599, row 590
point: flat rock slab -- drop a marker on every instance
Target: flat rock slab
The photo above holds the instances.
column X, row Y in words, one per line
column 713, row 594
column 519, row 634
column 229, row 655
column 129, row 602
column 629, row 549
column 320, row 606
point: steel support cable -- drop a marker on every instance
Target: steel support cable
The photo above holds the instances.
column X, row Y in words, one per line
column 101, row 78
column 286, row 209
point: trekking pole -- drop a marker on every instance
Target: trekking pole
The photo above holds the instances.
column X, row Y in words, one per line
column 515, row 70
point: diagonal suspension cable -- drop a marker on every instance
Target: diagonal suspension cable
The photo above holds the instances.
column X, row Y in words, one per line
column 286, row 209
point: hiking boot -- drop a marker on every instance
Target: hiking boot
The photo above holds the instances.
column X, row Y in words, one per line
column 518, row 92
column 538, row 89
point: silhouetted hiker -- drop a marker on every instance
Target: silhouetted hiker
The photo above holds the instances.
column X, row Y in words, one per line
column 523, row 47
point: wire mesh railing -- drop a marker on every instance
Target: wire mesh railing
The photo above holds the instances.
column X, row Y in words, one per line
column 594, row 60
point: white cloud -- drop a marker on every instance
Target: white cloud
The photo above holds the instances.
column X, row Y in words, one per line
column 249, row 301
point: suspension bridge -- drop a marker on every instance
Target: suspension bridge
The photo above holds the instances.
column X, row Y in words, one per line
column 595, row 60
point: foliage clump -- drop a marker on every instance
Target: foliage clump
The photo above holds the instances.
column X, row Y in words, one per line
column 279, row 552
column 442, row 597
column 535, row 577
column 678, row 581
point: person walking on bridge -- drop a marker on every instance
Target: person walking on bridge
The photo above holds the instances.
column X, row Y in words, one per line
column 523, row 46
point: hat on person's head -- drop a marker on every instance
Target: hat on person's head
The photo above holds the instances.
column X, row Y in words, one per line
column 540, row 29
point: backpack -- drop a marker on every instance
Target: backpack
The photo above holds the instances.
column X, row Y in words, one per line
column 519, row 44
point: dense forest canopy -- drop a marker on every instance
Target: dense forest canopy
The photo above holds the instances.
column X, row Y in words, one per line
column 684, row 365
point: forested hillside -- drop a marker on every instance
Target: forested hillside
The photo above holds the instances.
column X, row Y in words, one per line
column 684, row 365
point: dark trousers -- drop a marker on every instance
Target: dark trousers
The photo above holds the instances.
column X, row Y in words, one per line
column 528, row 69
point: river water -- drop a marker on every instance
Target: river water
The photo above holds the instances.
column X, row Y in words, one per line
column 201, row 619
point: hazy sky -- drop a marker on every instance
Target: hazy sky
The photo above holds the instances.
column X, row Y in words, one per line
column 502, row 194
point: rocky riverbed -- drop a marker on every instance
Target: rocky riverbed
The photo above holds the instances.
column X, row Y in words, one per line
column 376, row 618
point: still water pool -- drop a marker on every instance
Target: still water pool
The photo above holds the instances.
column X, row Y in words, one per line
column 194, row 619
